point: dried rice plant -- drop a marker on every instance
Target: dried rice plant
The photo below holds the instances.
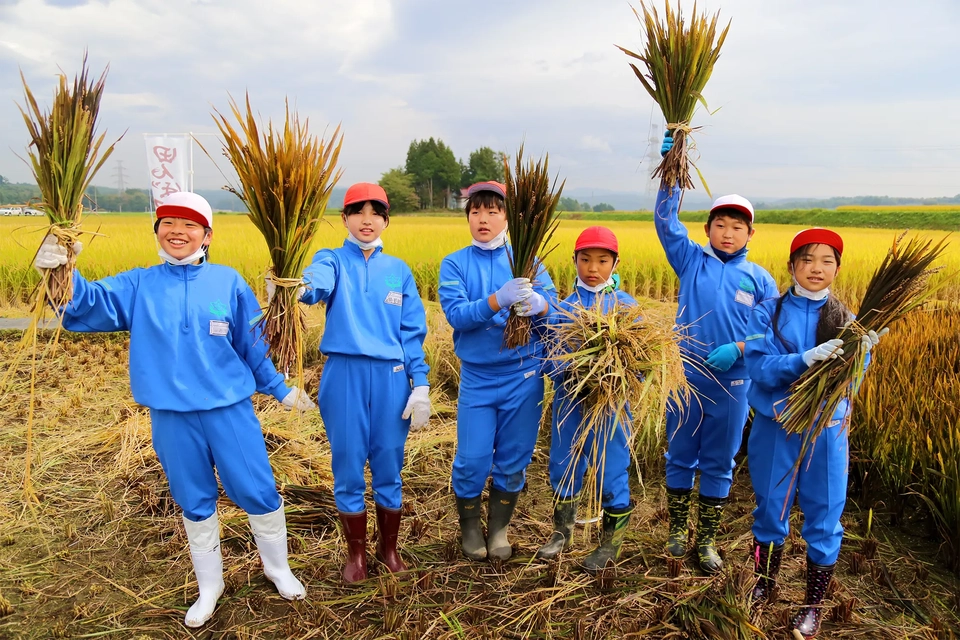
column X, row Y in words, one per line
column 286, row 178
column 678, row 58
column 621, row 367
column 64, row 155
column 898, row 286
column 531, row 221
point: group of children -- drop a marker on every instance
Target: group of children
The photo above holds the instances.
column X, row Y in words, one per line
column 197, row 356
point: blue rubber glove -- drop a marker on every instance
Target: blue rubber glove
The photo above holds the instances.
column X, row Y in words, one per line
column 532, row 306
column 513, row 292
column 723, row 357
column 667, row 144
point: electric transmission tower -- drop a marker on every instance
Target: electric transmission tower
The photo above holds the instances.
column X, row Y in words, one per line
column 121, row 176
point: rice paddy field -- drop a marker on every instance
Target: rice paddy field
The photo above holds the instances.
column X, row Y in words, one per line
column 102, row 553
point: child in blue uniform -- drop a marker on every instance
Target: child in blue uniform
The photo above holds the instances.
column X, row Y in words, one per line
column 373, row 341
column 196, row 358
column 498, row 410
column 718, row 290
column 595, row 255
column 786, row 337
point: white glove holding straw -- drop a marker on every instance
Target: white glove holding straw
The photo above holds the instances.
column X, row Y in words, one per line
column 51, row 254
column 824, row 351
column 298, row 399
column 418, row 408
column 272, row 289
column 871, row 338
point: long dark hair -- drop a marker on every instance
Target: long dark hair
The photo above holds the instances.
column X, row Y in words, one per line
column 833, row 314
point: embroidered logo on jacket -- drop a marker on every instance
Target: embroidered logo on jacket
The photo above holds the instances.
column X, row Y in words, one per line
column 218, row 309
column 393, row 281
column 747, row 285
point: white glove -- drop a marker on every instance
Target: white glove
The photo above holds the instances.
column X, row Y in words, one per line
column 299, row 400
column 513, row 291
column 532, row 306
column 272, row 289
column 418, row 407
column 872, row 338
column 827, row 350
column 51, row 255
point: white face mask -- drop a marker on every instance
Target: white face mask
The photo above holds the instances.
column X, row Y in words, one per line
column 366, row 246
column 810, row 295
column 496, row 243
column 196, row 255
column 599, row 287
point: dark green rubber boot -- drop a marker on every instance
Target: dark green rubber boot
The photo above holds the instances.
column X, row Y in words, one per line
column 564, row 517
column 499, row 512
column 472, row 544
column 614, row 529
column 711, row 513
column 678, row 507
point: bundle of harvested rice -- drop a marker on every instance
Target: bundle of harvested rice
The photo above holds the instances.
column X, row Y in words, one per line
column 622, row 366
column 531, row 205
column 286, row 177
column 679, row 60
column 899, row 285
column 64, row 157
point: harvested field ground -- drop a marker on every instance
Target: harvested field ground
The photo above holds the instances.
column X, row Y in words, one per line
column 102, row 553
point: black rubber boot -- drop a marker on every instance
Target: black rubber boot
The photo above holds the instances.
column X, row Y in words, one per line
column 614, row 529
column 807, row 620
column 564, row 517
column 499, row 512
column 708, row 523
column 766, row 564
column 678, row 506
column 472, row 543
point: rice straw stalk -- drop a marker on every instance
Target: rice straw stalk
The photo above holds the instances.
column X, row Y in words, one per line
column 64, row 156
column 678, row 59
column 286, row 177
column 532, row 218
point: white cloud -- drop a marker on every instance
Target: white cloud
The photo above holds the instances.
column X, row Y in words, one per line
column 594, row 143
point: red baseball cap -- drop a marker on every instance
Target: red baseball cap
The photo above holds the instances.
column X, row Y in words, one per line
column 597, row 238
column 364, row 191
column 186, row 205
column 489, row 185
column 817, row 235
column 735, row 202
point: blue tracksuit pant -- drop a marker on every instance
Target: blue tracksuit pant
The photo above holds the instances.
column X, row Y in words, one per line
column 498, row 417
column 611, row 457
column 706, row 435
column 361, row 401
column 820, row 485
column 190, row 444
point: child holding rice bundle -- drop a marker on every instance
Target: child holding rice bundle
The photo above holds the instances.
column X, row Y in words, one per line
column 498, row 410
column 374, row 385
column 785, row 337
column 595, row 255
column 196, row 358
column 719, row 288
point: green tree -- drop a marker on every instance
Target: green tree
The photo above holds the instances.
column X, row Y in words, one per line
column 603, row 206
column 568, row 204
column 435, row 171
column 3, row 181
column 484, row 164
column 400, row 192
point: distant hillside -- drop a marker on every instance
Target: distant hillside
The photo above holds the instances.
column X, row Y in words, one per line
column 833, row 203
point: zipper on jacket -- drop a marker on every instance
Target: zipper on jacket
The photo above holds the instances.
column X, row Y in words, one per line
column 186, row 300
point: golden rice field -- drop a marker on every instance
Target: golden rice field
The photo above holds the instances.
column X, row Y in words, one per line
column 127, row 242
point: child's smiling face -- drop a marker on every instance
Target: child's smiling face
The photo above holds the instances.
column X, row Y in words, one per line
column 594, row 266
column 365, row 225
column 182, row 238
column 486, row 223
column 815, row 267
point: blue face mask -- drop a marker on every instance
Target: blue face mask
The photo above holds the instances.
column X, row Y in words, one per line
column 726, row 257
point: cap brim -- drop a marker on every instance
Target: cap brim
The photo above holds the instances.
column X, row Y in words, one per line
column 176, row 211
column 736, row 207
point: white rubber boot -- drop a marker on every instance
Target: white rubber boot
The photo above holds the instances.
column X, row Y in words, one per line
column 270, row 533
column 204, row 538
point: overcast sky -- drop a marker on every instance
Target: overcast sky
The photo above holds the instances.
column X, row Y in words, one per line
column 819, row 98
